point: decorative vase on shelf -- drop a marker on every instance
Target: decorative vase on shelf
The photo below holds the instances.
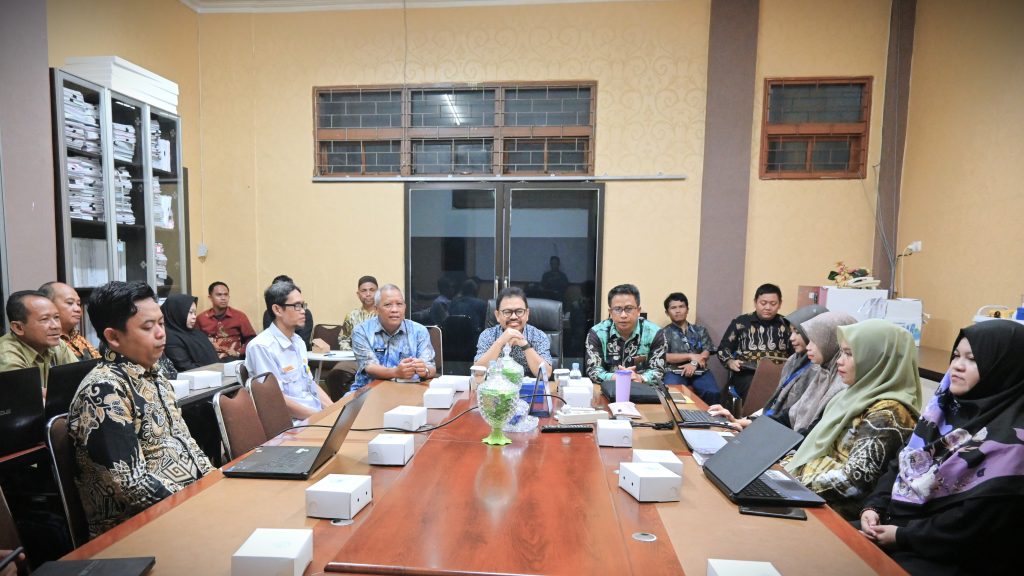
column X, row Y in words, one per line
column 497, row 400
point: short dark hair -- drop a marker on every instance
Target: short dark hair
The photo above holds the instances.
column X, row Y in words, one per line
column 111, row 305
column 16, row 309
column 214, row 285
column 768, row 289
column 676, row 297
column 47, row 289
column 510, row 292
column 624, row 289
column 282, row 278
column 277, row 293
column 365, row 279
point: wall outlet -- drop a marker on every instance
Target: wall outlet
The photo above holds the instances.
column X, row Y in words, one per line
column 914, row 247
column 202, row 251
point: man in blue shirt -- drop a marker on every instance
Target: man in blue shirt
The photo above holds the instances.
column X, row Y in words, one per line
column 280, row 350
column 530, row 347
column 389, row 347
column 687, row 348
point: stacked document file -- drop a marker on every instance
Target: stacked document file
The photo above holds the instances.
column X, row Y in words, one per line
column 85, row 188
column 154, row 141
column 88, row 262
column 124, row 142
column 123, row 196
column 161, row 262
column 163, row 211
column 81, row 123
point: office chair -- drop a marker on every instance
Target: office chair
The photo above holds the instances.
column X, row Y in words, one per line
column 329, row 333
column 766, row 380
column 545, row 315
column 436, row 342
column 240, row 426
column 269, row 401
column 62, row 457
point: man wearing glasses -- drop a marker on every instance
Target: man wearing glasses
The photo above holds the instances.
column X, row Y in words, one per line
column 390, row 347
column 530, row 347
column 625, row 341
column 280, row 350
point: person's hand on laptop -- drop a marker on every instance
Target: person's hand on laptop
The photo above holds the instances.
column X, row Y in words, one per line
column 719, row 410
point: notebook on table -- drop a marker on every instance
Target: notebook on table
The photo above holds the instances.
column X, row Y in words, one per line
column 21, row 410
column 63, row 383
column 740, row 468
column 297, row 462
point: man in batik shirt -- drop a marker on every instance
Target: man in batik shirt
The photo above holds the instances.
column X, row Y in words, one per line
column 389, row 347
column 764, row 333
column 69, row 306
column 625, row 341
column 132, row 448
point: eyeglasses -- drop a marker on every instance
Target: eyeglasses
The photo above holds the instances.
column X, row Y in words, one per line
column 619, row 310
column 518, row 312
column 297, row 306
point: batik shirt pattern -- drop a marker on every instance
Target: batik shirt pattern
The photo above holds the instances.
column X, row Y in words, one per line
column 537, row 338
column 132, row 448
column 693, row 340
column 354, row 318
column 371, row 344
column 606, row 349
column 750, row 339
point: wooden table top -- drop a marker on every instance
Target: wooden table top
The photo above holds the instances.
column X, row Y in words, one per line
column 545, row 504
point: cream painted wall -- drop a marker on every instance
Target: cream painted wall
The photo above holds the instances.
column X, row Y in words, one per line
column 265, row 216
column 159, row 35
column 797, row 230
column 963, row 171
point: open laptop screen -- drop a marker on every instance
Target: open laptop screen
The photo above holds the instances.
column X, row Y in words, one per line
column 751, row 452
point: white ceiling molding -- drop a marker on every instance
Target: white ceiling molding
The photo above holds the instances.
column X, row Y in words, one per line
column 256, row 6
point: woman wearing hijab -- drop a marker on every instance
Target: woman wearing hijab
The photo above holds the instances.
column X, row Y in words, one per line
column 864, row 426
column 952, row 502
column 186, row 348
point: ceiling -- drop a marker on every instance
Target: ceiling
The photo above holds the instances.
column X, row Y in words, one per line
column 214, row 6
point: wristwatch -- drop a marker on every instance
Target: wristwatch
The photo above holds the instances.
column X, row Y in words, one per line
column 526, row 346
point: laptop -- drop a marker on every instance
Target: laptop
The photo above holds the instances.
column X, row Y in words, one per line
column 639, row 392
column 688, row 418
column 740, row 468
column 297, row 462
column 21, row 410
column 63, row 383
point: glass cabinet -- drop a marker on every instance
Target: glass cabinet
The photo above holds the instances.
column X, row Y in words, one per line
column 119, row 189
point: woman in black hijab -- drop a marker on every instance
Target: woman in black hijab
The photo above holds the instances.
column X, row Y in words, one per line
column 187, row 348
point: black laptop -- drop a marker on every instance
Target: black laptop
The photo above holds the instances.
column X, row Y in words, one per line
column 740, row 468
column 21, row 410
column 688, row 418
column 639, row 392
column 297, row 462
column 63, row 383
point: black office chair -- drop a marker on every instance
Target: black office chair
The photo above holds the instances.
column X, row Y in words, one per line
column 62, row 456
column 460, row 336
column 436, row 342
column 545, row 315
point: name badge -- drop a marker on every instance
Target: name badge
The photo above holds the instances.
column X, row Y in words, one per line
column 288, row 368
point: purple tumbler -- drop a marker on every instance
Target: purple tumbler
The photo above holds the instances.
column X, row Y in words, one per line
column 623, row 379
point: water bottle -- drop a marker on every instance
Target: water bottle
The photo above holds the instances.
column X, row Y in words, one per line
column 575, row 375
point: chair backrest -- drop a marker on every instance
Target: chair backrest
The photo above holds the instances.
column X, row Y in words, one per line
column 240, row 426
column 435, row 343
column 766, row 380
column 269, row 400
column 545, row 315
column 329, row 333
column 243, row 374
column 9, row 539
column 461, row 334
column 62, row 457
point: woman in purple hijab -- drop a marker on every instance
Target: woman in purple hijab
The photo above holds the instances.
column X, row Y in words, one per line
column 953, row 502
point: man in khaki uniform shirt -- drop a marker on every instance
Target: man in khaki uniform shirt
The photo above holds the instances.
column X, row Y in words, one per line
column 34, row 339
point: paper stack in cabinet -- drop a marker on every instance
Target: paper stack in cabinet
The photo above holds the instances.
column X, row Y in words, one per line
column 124, row 142
column 123, row 197
column 154, row 142
column 85, row 188
column 163, row 212
column 81, row 123
column 88, row 262
column 161, row 262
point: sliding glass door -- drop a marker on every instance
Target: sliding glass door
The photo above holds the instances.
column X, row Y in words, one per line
column 465, row 242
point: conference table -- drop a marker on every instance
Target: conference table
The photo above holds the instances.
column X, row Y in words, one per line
column 545, row 504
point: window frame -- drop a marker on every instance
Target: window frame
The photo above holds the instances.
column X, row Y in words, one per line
column 406, row 134
column 809, row 131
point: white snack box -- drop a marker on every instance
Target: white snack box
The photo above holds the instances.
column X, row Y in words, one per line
column 649, row 482
column 438, row 398
column 338, row 496
column 181, row 388
column 578, row 396
column 615, row 433
column 231, row 369
column 200, row 379
column 273, row 552
column 457, row 383
column 405, row 417
column 390, row 449
column 719, row 567
column 666, row 458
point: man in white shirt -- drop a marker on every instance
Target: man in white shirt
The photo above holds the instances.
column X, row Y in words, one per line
column 280, row 351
